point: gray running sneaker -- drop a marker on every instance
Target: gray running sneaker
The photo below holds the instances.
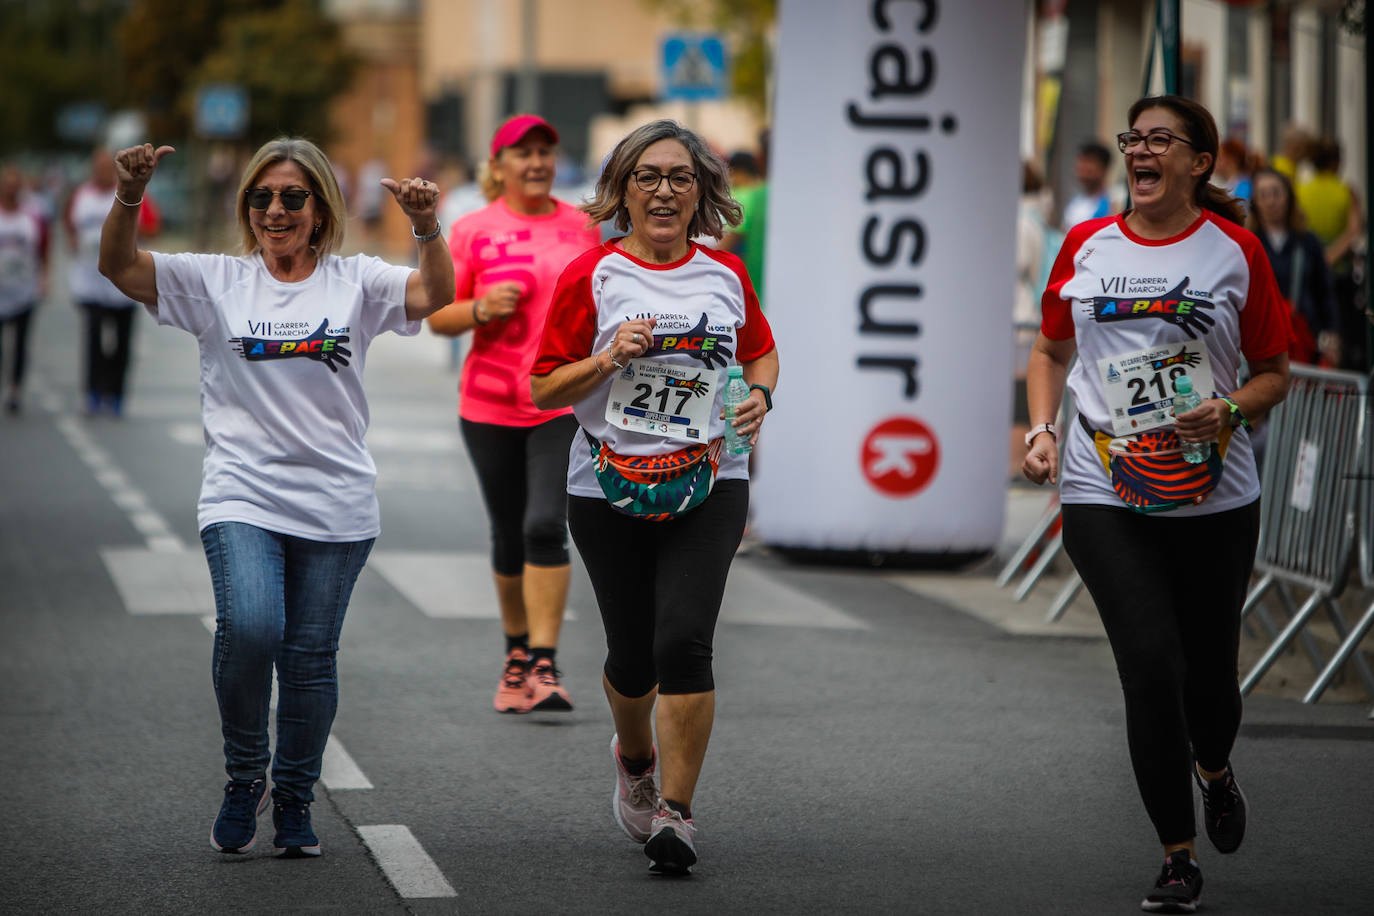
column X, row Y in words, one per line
column 635, row 800
column 671, row 848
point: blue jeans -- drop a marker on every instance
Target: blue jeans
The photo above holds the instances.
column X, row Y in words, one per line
column 278, row 600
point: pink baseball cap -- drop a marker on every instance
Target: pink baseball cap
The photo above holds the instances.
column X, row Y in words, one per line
column 514, row 130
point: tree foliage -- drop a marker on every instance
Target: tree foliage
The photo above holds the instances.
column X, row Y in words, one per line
column 286, row 54
column 749, row 25
column 53, row 54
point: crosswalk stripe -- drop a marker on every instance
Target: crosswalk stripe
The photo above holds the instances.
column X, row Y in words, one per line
column 443, row 584
column 404, row 861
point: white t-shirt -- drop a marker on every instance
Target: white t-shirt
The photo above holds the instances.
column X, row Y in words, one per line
column 281, row 386
column 708, row 317
column 1117, row 293
column 21, row 260
column 86, row 212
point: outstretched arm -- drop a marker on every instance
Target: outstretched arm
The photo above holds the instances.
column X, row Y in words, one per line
column 431, row 287
column 128, row 268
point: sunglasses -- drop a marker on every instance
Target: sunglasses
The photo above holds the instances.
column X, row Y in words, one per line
column 291, row 198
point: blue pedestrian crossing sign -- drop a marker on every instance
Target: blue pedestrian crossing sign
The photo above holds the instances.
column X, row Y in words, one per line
column 222, row 111
column 695, row 67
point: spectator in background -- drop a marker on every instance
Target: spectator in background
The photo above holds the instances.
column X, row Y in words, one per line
column 463, row 195
column 1334, row 216
column 23, row 268
column 1294, row 149
column 1299, row 267
column 1090, row 170
column 749, row 184
column 109, row 313
column 1234, row 165
column 1036, row 244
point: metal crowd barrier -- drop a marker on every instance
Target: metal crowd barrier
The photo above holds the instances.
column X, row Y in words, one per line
column 1365, row 519
column 1318, row 441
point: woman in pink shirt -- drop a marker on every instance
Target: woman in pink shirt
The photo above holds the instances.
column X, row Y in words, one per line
column 507, row 258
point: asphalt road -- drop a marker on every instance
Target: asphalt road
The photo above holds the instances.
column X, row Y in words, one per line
column 875, row 751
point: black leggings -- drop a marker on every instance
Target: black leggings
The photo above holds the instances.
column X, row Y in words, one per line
column 20, row 323
column 1169, row 591
column 523, row 472
column 659, row 586
column 106, row 371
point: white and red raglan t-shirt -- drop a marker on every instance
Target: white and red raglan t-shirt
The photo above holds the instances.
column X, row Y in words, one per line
column 495, row 245
column 708, row 318
column 1119, row 294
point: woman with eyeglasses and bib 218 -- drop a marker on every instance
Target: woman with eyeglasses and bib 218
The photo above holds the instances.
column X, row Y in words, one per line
column 637, row 342
column 1173, row 286
column 288, row 505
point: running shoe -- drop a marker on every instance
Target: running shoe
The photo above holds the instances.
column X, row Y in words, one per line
column 635, row 800
column 237, row 825
column 1178, row 888
column 513, row 693
column 1224, row 809
column 294, row 839
column 546, row 694
column 670, row 848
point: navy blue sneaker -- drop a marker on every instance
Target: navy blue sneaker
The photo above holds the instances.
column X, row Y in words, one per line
column 294, row 839
column 237, row 825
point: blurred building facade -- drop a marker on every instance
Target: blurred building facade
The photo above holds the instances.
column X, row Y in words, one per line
column 1258, row 65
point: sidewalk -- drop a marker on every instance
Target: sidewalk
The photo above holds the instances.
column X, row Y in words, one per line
column 974, row 591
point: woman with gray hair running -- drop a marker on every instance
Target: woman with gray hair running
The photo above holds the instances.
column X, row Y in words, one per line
column 637, row 341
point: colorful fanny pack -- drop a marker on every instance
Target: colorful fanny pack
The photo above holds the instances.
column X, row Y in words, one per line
column 656, row 487
column 1148, row 470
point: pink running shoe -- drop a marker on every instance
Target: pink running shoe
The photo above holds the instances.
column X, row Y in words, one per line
column 513, row 693
column 546, row 694
column 635, row 800
column 672, row 843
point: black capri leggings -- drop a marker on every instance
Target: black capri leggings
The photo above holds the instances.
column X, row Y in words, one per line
column 1169, row 591
column 659, row 586
column 523, row 473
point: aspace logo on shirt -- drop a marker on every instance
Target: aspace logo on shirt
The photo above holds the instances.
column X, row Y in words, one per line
column 1179, row 306
column 321, row 346
column 697, row 342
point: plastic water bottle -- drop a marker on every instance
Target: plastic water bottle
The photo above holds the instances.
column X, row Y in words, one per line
column 1187, row 399
column 736, row 392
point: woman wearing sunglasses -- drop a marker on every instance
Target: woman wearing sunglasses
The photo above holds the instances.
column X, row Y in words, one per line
column 1173, row 286
column 507, row 257
column 288, row 507
column 638, row 339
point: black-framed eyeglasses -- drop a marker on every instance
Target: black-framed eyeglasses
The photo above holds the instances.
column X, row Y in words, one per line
column 651, row 180
column 291, row 198
column 1157, row 142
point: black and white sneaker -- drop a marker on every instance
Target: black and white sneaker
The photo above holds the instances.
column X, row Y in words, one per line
column 1178, row 888
column 1224, row 810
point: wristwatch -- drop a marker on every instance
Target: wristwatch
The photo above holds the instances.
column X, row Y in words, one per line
column 1037, row 430
column 767, row 395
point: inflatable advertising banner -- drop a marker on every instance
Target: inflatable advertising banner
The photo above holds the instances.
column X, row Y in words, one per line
column 893, row 195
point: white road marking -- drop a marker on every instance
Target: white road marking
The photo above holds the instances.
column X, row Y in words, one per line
column 124, row 494
column 161, row 582
column 443, row 584
column 754, row 598
column 404, row 861
column 339, row 771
